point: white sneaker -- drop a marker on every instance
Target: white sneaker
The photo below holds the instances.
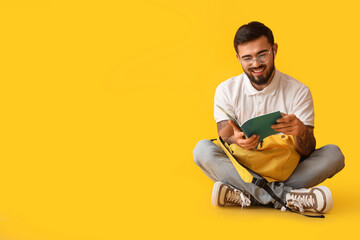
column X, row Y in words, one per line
column 225, row 195
column 316, row 199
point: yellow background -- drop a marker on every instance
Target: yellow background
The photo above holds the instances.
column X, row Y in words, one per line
column 103, row 102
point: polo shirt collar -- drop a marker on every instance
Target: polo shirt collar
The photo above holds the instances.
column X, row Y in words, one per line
column 270, row 89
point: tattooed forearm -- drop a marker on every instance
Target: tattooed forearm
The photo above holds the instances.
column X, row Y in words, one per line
column 221, row 125
column 225, row 131
column 305, row 141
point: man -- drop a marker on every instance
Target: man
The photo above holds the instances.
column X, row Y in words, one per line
column 259, row 90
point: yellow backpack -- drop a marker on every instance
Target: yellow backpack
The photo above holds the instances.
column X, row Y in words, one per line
column 275, row 158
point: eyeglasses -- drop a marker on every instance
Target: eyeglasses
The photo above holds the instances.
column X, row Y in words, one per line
column 262, row 58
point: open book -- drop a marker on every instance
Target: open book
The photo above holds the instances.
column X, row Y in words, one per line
column 260, row 125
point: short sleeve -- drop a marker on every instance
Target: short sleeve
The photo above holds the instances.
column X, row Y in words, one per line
column 222, row 99
column 304, row 107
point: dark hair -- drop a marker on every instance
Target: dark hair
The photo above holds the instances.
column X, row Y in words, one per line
column 252, row 31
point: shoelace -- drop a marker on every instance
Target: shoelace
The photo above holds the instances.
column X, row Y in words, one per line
column 238, row 197
column 298, row 202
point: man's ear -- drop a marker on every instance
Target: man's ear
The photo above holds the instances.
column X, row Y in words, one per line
column 275, row 48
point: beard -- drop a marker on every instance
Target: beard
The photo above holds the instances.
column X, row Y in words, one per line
column 262, row 79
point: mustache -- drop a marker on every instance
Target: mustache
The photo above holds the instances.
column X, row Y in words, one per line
column 253, row 68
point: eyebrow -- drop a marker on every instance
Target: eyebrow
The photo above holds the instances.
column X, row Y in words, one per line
column 248, row 55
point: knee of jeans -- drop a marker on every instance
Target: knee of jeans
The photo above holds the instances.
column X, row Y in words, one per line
column 201, row 151
column 336, row 157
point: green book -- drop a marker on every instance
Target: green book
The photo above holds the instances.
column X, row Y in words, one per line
column 260, row 125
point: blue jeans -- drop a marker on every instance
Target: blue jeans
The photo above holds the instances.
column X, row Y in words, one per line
column 323, row 163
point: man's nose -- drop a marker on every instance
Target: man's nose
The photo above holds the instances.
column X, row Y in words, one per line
column 255, row 63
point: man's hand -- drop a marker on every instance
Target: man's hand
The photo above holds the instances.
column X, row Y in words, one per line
column 289, row 125
column 304, row 135
column 240, row 139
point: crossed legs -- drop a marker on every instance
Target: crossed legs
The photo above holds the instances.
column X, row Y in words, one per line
column 323, row 163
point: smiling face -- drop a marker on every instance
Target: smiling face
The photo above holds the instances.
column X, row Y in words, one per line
column 260, row 74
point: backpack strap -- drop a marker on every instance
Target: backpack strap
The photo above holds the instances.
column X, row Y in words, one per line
column 243, row 172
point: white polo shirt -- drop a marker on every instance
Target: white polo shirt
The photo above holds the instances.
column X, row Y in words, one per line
column 285, row 94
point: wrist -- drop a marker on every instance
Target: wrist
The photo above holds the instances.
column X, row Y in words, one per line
column 302, row 130
column 229, row 140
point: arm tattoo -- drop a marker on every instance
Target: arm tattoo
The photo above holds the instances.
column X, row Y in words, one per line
column 221, row 125
column 306, row 141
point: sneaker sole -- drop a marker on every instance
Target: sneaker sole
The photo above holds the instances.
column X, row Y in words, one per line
column 215, row 194
column 329, row 201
